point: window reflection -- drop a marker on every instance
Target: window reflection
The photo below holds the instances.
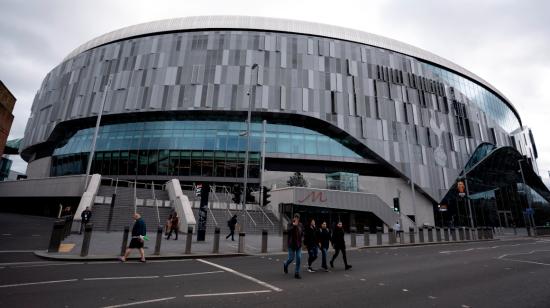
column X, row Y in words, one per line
column 187, row 148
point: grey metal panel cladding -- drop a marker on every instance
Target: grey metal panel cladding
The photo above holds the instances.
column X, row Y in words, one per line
column 177, row 71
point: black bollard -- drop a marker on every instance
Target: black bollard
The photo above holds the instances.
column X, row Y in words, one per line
column 366, row 237
column 159, row 241
column 111, row 210
column 438, row 234
column 430, row 234
column 420, row 235
column 391, row 236
column 461, row 233
column 188, row 240
column 467, row 233
column 216, row 245
column 124, row 240
column 378, row 236
column 241, row 242
column 479, row 233
column 264, row 241
column 411, row 235
column 353, row 235
column 86, row 241
column 453, row 233
column 57, row 235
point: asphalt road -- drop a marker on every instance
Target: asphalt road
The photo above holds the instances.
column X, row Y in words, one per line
column 511, row 273
column 20, row 235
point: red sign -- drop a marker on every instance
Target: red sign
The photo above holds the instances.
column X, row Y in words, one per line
column 314, row 196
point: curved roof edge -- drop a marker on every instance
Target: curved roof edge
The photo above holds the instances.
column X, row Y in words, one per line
column 280, row 25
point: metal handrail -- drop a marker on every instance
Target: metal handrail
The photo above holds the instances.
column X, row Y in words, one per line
column 156, row 204
column 263, row 212
column 250, row 216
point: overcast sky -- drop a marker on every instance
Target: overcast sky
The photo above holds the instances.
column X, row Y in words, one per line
column 505, row 42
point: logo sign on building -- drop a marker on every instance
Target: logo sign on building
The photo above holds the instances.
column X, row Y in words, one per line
column 442, row 207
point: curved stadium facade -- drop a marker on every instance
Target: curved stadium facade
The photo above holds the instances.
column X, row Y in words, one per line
column 334, row 100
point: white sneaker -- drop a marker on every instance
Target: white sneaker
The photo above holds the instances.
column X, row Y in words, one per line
column 309, row 269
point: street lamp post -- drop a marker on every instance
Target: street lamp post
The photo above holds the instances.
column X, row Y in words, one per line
column 251, row 99
column 96, row 131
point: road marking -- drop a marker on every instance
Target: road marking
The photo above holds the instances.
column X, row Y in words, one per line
column 405, row 290
column 227, row 269
column 49, row 264
column 36, row 283
column 362, row 279
column 381, row 284
column 15, row 251
column 432, row 297
column 504, row 257
column 120, row 278
column 35, row 235
column 142, row 302
column 6, row 234
column 465, row 306
column 22, row 263
column 193, row 274
column 227, row 293
column 491, row 247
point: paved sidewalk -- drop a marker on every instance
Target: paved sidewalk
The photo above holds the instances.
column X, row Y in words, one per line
column 107, row 246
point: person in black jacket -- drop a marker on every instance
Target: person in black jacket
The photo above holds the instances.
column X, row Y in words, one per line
column 139, row 231
column 324, row 241
column 339, row 244
column 85, row 216
column 231, row 223
column 310, row 240
column 295, row 234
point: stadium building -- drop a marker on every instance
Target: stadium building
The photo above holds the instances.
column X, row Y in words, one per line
column 371, row 123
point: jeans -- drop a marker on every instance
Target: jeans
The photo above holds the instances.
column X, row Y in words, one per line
column 324, row 257
column 291, row 253
column 312, row 255
column 337, row 252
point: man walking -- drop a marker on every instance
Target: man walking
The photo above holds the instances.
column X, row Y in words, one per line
column 139, row 232
column 339, row 244
column 85, row 218
column 324, row 242
column 310, row 240
column 397, row 229
column 174, row 226
column 294, row 246
column 232, row 223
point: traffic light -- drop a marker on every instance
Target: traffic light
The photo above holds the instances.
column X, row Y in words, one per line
column 266, row 195
column 396, row 206
column 237, row 192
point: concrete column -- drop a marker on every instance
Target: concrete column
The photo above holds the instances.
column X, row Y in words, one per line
column 285, row 240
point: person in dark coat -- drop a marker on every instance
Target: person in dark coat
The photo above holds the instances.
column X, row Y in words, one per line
column 174, row 226
column 323, row 237
column 139, row 231
column 311, row 243
column 295, row 234
column 232, row 223
column 85, row 217
column 339, row 244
